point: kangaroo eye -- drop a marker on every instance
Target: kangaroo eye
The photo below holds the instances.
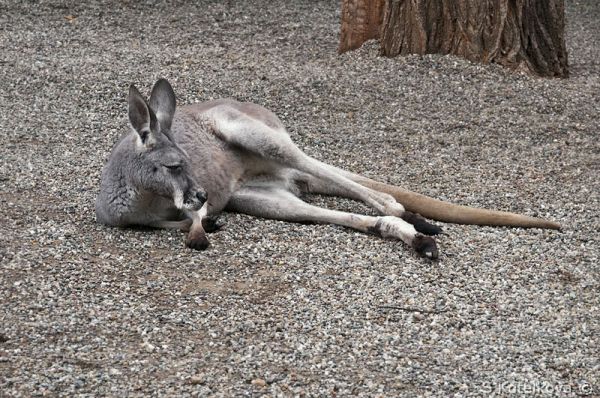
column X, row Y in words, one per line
column 174, row 167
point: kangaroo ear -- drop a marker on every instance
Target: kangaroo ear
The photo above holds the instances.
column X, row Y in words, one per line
column 162, row 102
column 140, row 116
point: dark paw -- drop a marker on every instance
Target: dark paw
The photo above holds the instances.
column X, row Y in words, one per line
column 421, row 224
column 425, row 246
column 197, row 242
column 212, row 224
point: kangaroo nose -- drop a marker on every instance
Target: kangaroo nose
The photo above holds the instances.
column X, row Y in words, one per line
column 201, row 196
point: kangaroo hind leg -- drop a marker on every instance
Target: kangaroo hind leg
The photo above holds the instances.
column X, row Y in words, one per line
column 311, row 184
column 277, row 203
column 275, row 145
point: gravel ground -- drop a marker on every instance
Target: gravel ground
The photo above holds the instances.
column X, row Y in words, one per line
column 284, row 309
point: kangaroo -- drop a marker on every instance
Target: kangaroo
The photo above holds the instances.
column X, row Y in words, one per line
column 181, row 167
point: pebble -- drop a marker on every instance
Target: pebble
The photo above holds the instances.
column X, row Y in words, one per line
column 197, row 379
column 259, row 382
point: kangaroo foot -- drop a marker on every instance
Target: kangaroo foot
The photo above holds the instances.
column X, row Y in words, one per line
column 420, row 224
column 425, row 246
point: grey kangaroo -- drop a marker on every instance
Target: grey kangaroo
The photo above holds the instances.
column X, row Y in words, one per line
column 179, row 168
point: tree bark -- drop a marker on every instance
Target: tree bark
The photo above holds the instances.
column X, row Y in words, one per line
column 361, row 21
column 526, row 35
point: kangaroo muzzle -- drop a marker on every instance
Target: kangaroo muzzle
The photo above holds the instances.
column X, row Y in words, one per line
column 194, row 199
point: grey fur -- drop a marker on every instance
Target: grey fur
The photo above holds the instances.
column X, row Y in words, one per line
column 240, row 156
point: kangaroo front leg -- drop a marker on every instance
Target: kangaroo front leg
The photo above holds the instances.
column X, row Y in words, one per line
column 196, row 238
column 277, row 203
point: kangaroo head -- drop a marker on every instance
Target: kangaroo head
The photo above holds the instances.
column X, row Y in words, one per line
column 162, row 167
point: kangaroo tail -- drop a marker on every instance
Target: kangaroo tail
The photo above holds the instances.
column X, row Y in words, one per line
column 448, row 212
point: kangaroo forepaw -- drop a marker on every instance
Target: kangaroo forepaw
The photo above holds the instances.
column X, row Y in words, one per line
column 425, row 246
column 421, row 225
column 212, row 224
column 197, row 241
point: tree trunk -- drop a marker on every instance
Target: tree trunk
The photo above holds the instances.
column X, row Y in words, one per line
column 525, row 35
column 361, row 20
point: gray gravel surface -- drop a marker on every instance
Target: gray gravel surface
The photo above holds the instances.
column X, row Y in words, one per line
column 285, row 309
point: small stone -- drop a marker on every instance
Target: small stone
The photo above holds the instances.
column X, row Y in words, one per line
column 114, row 372
column 197, row 379
column 259, row 382
column 148, row 347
